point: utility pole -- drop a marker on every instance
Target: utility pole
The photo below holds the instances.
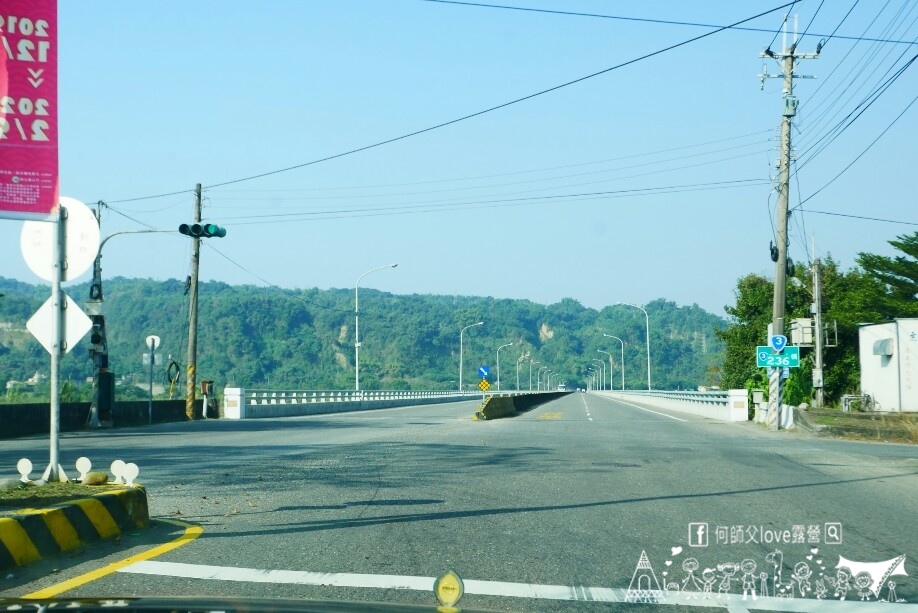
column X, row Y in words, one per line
column 191, row 376
column 99, row 346
column 817, row 330
column 787, row 62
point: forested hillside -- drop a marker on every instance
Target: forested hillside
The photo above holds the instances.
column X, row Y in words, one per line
column 304, row 339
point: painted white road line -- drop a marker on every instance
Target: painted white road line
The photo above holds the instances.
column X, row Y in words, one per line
column 643, row 409
column 732, row 603
column 396, row 582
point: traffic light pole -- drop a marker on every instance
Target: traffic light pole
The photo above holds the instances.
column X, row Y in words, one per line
column 191, row 377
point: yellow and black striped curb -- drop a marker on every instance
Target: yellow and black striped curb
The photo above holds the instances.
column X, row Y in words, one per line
column 35, row 534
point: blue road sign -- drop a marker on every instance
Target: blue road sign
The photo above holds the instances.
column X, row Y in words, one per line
column 777, row 342
column 484, row 372
column 765, row 357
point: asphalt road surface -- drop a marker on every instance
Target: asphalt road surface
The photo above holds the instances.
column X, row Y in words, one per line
column 542, row 512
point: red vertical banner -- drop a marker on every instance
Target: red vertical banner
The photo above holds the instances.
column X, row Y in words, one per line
column 29, row 175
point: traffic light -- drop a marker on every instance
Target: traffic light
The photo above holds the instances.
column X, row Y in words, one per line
column 198, row 230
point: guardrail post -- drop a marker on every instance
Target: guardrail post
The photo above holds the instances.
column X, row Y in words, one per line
column 738, row 405
column 234, row 403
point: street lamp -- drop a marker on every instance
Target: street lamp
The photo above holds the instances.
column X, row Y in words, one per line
column 520, row 359
column 623, row 360
column 539, row 378
column 602, row 366
column 357, row 325
column 610, row 366
column 647, row 320
column 498, row 364
column 461, row 332
column 531, row 362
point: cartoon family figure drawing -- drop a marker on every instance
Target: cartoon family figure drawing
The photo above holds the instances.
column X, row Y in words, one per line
column 866, row 580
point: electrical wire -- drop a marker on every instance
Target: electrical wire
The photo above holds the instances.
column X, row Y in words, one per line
column 526, row 191
column 861, row 68
column 845, row 123
column 472, row 115
column 494, row 203
column 663, row 21
column 520, row 172
column 807, row 28
column 860, row 155
column 837, row 214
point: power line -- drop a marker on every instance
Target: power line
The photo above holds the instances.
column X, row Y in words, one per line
column 866, row 103
column 666, row 21
column 534, row 170
column 555, row 178
column 807, row 28
column 835, row 214
column 860, row 155
column 492, row 203
column 475, row 114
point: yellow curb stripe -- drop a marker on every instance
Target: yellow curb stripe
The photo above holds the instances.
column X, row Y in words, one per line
column 191, row 532
column 99, row 516
column 65, row 535
column 17, row 542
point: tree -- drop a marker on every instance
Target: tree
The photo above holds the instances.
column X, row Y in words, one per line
column 899, row 275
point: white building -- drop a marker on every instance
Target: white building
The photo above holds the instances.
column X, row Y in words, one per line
column 889, row 364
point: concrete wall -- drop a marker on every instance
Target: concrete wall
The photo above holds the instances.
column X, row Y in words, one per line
column 733, row 406
column 35, row 418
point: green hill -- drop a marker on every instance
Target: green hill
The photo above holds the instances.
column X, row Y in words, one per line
column 260, row 337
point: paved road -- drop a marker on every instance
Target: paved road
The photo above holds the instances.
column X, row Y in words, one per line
column 556, row 504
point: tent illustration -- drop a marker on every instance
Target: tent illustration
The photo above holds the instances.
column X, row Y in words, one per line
column 644, row 586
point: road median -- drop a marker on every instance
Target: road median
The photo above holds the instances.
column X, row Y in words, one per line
column 497, row 407
column 31, row 535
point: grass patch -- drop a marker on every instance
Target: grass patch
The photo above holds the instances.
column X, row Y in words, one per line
column 30, row 496
column 893, row 427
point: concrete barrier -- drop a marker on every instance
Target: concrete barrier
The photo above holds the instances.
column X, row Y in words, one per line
column 495, row 407
column 28, row 419
column 35, row 534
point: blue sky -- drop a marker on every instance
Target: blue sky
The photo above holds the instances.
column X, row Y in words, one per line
column 157, row 96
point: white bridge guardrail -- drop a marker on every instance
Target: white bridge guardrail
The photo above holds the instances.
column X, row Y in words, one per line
column 242, row 403
column 725, row 405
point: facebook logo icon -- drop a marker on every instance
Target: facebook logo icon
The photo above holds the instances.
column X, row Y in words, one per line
column 698, row 535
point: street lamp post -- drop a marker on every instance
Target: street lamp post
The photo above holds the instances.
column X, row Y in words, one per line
column 461, row 332
column 610, row 366
column 539, row 378
column 602, row 371
column 498, row 364
column 357, row 324
column 647, row 321
column 531, row 362
column 520, row 359
column 623, row 360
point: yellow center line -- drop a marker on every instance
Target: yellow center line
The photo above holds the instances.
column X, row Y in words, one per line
column 191, row 532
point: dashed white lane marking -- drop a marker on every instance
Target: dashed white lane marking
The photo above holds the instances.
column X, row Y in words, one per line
column 643, row 409
column 587, row 408
column 732, row 603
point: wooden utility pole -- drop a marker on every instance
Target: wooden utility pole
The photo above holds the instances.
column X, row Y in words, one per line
column 191, row 376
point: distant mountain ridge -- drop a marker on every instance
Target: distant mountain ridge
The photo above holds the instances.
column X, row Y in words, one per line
column 261, row 337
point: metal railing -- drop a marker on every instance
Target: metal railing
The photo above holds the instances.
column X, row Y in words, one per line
column 719, row 397
column 257, row 396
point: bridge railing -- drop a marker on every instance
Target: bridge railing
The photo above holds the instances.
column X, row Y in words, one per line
column 243, row 403
column 726, row 405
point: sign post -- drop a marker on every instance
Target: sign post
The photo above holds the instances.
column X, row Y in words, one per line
column 49, row 325
column 153, row 343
